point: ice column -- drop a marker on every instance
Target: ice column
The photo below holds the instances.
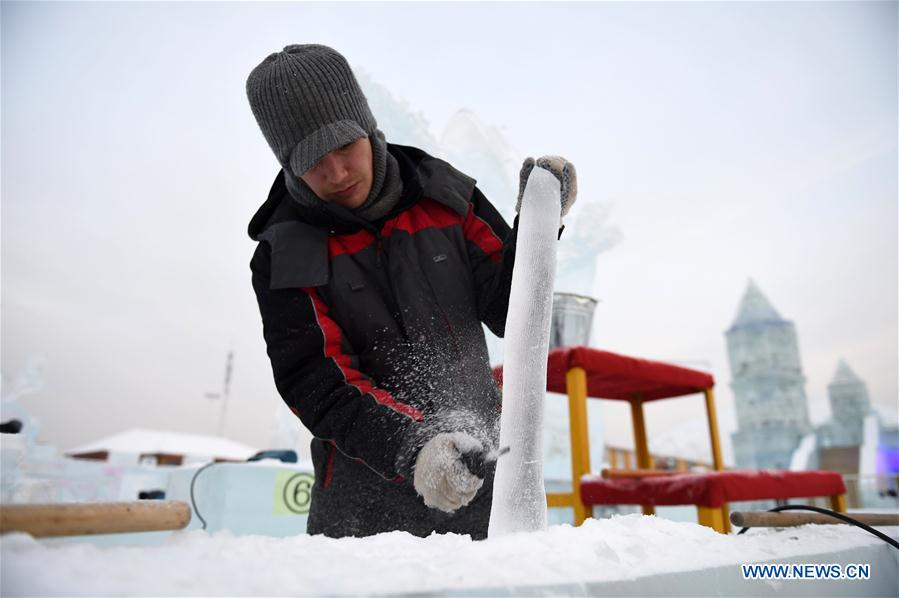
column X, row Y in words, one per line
column 519, row 498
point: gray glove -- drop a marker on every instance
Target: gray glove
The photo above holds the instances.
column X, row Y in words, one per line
column 561, row 168
column 441, row 478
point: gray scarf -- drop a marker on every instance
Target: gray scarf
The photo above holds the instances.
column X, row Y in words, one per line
column 386, row 187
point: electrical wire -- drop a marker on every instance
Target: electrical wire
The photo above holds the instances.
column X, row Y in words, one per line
column 193, row 501
column 840, row 516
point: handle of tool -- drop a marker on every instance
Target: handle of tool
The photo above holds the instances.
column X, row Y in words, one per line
column 81, row 519
column 768, row 519
column 476, row 462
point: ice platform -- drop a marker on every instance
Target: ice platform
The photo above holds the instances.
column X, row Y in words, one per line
column 627, row 556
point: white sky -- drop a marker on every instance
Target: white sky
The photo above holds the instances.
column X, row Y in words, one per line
column 732, row 140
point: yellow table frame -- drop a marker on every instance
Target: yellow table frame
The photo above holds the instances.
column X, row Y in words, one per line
column 576, row 385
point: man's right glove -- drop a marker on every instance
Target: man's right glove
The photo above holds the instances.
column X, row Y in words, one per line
column 561, row 168
column 441, row 477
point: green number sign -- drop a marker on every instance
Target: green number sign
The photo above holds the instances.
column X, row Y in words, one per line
column 293, row 493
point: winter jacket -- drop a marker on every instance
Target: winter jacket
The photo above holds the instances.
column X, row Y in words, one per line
column 375, row 339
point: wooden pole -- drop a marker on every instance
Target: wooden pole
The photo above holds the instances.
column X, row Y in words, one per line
column 81, row 519
column 767, row 519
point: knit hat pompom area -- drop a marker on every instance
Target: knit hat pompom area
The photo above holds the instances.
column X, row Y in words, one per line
column 307, row 103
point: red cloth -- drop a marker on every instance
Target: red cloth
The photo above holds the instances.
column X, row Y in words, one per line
column 613, row 376
column 711, row 489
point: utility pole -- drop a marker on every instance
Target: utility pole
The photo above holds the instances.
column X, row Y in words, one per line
column 226, row 391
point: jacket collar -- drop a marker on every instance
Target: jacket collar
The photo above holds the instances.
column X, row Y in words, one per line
column 298, row 236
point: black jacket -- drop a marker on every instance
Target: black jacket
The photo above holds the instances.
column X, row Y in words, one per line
column 375, row 338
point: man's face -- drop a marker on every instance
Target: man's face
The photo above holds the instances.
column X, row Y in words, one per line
column 343, row 176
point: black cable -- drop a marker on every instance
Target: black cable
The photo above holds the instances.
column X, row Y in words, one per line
column 840, row 516
column 193, row 502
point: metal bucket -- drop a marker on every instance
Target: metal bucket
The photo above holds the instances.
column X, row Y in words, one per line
column 572, row 320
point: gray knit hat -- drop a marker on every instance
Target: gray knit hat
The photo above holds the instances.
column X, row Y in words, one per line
column 307, row 103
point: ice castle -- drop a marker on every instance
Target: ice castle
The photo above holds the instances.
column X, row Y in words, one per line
column 768, row 384
column 850, row 405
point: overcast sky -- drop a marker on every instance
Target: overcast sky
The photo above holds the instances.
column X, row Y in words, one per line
column 730, row 140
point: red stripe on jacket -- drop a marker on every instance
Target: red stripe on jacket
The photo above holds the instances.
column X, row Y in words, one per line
column 332, row 349
column 427, row 213
column 352, row 243
column 479, row 232
column 329, row 468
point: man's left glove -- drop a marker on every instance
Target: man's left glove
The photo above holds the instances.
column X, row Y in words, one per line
column 441, row 477
column 561, row 168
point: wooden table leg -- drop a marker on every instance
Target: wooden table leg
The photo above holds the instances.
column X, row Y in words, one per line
column 576, row 383
column 711, row 517
column 641, row 445
column 838, row 503
column 717, row 461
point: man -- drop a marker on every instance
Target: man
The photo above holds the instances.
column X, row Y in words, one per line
column 376, row 265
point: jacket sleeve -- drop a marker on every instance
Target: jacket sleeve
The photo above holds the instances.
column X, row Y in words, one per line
column 491, row 251
column 315, row 375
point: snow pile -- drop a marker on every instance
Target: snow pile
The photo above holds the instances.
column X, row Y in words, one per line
column 191, row 563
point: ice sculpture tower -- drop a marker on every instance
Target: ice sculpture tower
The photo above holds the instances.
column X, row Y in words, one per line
column 768, row 384
column 849, row 405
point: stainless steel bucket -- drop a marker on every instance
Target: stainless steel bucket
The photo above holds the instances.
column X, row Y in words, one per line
column 572, row 320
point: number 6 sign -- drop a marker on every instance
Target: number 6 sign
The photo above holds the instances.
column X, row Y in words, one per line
column 293, row 493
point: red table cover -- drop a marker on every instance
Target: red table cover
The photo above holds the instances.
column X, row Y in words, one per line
column 711, row 489
column 613, row 376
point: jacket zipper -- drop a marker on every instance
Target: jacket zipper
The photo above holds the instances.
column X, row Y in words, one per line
column 382, row 260
column 379, row 249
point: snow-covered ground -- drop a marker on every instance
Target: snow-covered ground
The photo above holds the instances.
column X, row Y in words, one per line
column 621, row 550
